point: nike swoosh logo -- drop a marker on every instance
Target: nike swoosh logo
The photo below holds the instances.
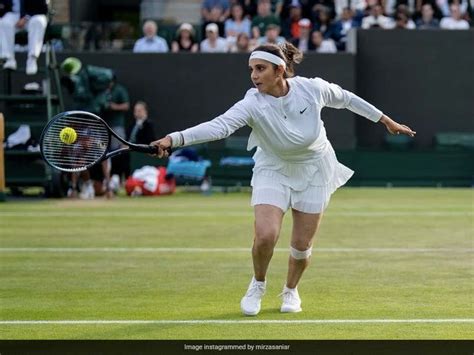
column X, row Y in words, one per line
column 302, row 111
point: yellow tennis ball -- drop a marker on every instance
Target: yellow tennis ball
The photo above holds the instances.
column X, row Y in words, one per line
column 68, row 135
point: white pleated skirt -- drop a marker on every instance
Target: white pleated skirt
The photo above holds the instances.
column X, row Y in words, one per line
column 304, row 187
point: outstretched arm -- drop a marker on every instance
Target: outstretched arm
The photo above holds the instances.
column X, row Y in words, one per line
column 219, row 128
column 395, row 127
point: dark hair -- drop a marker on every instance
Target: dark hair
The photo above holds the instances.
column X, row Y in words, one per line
column 286, row 51
column 143, row 103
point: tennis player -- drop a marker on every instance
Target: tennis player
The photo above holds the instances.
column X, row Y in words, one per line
column 295, row 165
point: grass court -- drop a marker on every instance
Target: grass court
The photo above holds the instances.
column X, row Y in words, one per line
column 387, row 264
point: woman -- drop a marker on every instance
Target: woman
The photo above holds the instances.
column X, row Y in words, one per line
column 295, row 165
column 185, row 41
column 236, row 23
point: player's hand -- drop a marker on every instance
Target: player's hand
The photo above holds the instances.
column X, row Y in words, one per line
column 164, row 146
column 396, row 128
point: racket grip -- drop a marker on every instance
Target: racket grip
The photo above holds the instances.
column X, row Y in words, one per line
column 149, row 149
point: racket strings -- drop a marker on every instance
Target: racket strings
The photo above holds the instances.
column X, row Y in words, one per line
column 91, row 143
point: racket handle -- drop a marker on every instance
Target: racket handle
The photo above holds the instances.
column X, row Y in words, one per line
column 150, row 149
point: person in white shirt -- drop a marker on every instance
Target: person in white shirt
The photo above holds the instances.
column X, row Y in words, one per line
column 376, row 19
column 455, row 21
column 31, row 15
column 213, row 43
column 150, row 43
column 295, row 164
column 321, row 45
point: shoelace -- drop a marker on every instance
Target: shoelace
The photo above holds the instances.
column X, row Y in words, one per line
column 256, row 288
column 288, row 297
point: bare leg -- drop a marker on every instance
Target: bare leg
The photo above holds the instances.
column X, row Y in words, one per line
column 268, row 221
column 305, row 226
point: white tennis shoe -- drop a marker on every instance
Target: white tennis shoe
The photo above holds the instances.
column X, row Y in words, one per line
column 291, row 300
column 250, row 303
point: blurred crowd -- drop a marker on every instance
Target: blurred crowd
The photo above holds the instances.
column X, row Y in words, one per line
column 311, row 25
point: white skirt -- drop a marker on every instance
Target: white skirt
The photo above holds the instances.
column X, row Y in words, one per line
column 303, row 187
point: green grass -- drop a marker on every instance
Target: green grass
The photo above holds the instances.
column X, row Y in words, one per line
column 408, row 279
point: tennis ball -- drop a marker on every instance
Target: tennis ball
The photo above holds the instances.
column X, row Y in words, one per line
column 68, row 135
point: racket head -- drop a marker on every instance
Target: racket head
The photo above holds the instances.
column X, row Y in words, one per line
column 87, row 149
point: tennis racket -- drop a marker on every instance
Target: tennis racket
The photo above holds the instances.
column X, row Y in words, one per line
column 74, row 141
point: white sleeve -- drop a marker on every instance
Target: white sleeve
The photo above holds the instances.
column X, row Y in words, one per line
column 334, row 96
column 220, row 127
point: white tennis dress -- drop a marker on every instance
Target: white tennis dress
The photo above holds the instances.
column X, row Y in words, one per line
column 295, row 164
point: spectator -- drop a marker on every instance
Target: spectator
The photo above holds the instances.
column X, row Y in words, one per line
column 427, row 20
column 343, row 25
column 243, row 44
column 271, row 36
column 357, row 7
column 276, row 7
column 213, row 43
column 150, row 42
column 321, row 45
column 214, row 11
column 455, row 21
column 142, row 131
column 263, row 19
column 304, row 40
column 28, row 14
column 324, row 23
column 185, row 41
column 376, row 19
column 403, row 18
column 236, row 23
column 210, row 8
column 322, row 6
column 290, row 27
column 401, row 21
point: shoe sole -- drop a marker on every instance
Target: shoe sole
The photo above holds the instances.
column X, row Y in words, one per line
column 290, row 310
column 250, row 314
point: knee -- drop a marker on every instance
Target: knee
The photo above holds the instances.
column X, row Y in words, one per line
column 301, row 252
column 265, row 238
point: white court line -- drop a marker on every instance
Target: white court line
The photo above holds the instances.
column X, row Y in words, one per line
column 224, row 250
column 227, row 321
column 164, row 214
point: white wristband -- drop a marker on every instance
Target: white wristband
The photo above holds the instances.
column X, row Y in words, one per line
column 176, row 139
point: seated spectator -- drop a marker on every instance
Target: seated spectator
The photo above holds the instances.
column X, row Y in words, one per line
column 427, row 21
column 401, row 21
column 185, row 41
column 322, row 5
column 342, row 27
column 214, row 11
column 276, row 7
column 236, row 23
column 150, row 42
column 30, row 15
column 290, row 28
column 243, row 44
column 142, row 131
column 271, row 36
column 455, row 21
column 357, row 8
column 302, row 43
column 376, row 19
column 263, row 19
column 403, row 18
column 324, row 23
column 321, row 45
column 213, row 43
column 210, row 8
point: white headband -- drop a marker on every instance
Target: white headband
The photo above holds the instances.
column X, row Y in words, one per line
column 272, row 58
